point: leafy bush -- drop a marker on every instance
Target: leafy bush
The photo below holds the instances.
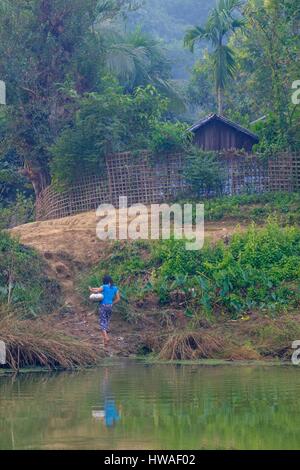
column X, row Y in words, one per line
column 17, row 213
column 203, row 172
column 169, row 137
column 107, row 122
column 258, row 270
column 24, row 284
column 271, row 140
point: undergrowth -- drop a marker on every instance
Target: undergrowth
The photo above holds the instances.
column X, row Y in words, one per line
column 254, row 207
column 24, row 283
column 33, row 343
column 256, row 271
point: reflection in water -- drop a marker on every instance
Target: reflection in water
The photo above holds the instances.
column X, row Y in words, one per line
column 110, row 414
column 136, row 406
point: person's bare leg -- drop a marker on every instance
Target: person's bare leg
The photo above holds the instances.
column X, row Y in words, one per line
column 105, row 337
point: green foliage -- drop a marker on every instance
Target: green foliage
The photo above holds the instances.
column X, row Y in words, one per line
column 271, row 141
column 70, row 49
column 203, row 172
column 222, row 21
column 254, row 271
column 41, row 44
column 169, row 137
column 255, row 207
column 128, row 265
column 137, row 59
column 200, row 88
column 24, row 285
column 19, row 212
column 106, row 122
column 257, row 270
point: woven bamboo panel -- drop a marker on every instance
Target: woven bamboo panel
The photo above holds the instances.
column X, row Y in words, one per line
column 284, row 172
column 145, row 180
column 87, row 195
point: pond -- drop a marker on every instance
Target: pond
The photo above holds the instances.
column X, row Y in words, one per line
column 132, row 405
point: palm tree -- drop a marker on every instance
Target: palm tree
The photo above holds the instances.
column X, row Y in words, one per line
column 222, row 21
column 136, row 60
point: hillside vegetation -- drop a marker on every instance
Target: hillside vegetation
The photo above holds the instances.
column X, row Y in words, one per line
column 238, row 298
column 168, row 20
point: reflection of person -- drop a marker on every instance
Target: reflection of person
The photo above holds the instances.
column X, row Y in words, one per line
column 111, row 296
column 111, row 413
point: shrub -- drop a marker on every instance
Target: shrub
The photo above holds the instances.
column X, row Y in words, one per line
column 107, row 122
column 257, row 270
column 254, row 207
column 169, row 137
column 203, row 172
column 24, row 283
column 17, row 213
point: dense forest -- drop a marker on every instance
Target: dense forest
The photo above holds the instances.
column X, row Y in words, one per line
column 100, row 76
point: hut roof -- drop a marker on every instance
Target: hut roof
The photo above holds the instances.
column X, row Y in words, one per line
column 224, row 120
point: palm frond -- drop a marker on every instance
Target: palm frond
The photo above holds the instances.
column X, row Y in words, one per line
column 194, row 35
column 126, row 61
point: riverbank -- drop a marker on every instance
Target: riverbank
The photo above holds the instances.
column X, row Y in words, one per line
column 258, row 339
column 151, row 361
column 180, row 306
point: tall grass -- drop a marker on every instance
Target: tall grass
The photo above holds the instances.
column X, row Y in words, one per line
column 33, row 343
column 186, row 345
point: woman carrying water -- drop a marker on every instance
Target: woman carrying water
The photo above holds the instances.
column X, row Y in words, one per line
column 111, row 296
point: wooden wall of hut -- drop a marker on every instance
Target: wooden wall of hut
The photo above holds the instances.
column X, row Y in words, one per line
column 216, row 135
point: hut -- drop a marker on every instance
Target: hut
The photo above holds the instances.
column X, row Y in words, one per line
column 219, row 133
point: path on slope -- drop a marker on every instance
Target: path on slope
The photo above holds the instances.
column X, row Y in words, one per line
column 70, row 246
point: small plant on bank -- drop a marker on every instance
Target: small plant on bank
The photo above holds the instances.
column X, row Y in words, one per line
column 24, row 284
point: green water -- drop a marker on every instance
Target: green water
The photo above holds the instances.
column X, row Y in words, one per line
column 131, row 405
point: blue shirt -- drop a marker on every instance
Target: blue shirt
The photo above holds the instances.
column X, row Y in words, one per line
column 109, row 293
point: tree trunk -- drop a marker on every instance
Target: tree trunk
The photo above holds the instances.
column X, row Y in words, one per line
column 220, row 101
column 39, row 177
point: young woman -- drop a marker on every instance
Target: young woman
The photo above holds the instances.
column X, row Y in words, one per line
column 111, row 296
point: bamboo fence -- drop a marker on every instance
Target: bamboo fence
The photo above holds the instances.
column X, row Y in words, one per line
column 145, row 180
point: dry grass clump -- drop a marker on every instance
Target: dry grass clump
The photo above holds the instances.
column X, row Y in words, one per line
column 243, row 352
column 274, row 338
column 188, row 345
column 31, row 343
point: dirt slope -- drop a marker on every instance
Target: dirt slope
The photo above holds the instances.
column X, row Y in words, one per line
column 69, row 246
column 76, row 235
